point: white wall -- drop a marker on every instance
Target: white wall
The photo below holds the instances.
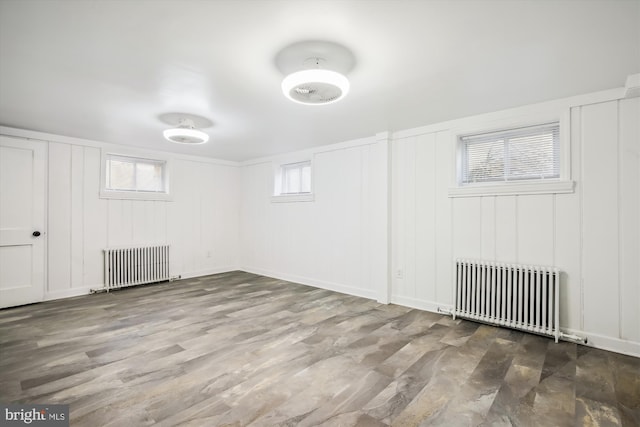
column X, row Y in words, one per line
column 337, row 241
column 201, row 222
column 382, row 224
column 592, row 234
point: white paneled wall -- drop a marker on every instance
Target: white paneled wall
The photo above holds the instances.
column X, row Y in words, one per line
column 201, row 222
column 382, row 224
column 592, row 234
column 337, row 241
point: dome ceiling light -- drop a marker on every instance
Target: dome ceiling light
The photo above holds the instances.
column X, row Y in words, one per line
column 315, row 72
column 186, row 133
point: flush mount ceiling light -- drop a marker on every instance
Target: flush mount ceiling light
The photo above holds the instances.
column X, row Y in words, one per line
column 186, row 133
column 315, row 86
column 315, row 72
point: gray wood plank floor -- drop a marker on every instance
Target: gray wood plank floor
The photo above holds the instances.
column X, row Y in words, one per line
column 237, row 349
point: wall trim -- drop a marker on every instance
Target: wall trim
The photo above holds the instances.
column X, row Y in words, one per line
column 308, row 153
column 602, row 342
column 513, row 189
column 50, row 137
column 525, row 110
column 70, row 293
column 206, row 272
column 330, row 286
column 419, row 304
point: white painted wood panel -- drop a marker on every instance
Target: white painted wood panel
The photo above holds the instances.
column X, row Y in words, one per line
column 600, row 218
column 364, row 276
column 535, row 229
column 203, row 237
column 488, row 228
column 400, row 247
column 506, row 227
column 424, row 195
column 409, row 217
column 327, row 242
column 630, row 219
column 59, row 239
column 77, row 216
column 592, row 235
column 379, row 227
column 568, row 237
column 467, row 227
column 95, row 222
column 444, row 160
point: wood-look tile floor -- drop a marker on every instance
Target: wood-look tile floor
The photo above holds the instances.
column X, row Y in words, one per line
column 238, row 349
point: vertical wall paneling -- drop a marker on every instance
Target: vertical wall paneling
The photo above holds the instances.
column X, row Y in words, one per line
column 399, row 246
column 600, row 218
column 592, row 234
column 467, row 227
column 506, row 228
column 568, row 237
column 488, row 227
column 201, row 223
column 329, row 242
column 629, row 179
column 409, row 219
column 444, row 159
column 59, row 239
column 535, row 229
column 77, row 216
column 380, row 229
column 365, row 217
column 424, row 195
column 95, row 224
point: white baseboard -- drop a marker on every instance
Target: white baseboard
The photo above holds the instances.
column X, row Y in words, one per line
column 86, row 290
column 603, row 342
column 337, row 287
column 206, row 272
column 69, row 293
column 418, row 303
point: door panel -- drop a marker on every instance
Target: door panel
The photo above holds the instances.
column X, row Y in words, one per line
column 22, row 212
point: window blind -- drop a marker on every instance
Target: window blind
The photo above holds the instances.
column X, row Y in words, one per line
column 530, row 153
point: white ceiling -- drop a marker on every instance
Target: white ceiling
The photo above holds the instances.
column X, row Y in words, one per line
column 107, row 70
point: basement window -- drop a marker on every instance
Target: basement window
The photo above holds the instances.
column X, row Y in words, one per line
column 128, row 177
column 511, row 161
column 293, row 182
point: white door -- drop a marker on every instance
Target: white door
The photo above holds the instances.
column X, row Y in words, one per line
column 22, row 217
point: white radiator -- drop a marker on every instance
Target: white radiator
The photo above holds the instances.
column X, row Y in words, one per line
column 523, row 297
column 135, row 266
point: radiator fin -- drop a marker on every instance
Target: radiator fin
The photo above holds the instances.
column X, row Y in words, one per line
column 135, row 266
column 523, row 297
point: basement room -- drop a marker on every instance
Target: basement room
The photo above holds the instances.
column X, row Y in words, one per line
column 327, row 213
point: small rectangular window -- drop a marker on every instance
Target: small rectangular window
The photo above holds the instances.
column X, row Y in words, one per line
column 129, row 177
column 135, row 174
column 292, row 182
column 295, row 178
column 528, row 153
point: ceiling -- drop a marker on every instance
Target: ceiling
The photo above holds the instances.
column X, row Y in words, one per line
column 110, row 70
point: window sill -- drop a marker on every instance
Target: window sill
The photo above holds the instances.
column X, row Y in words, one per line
column 292, row 198
column 512, row 189
column 134, row 195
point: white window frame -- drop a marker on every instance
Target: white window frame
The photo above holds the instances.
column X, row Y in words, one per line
column 106, row 193
column 279, row 169
column 562, row 184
